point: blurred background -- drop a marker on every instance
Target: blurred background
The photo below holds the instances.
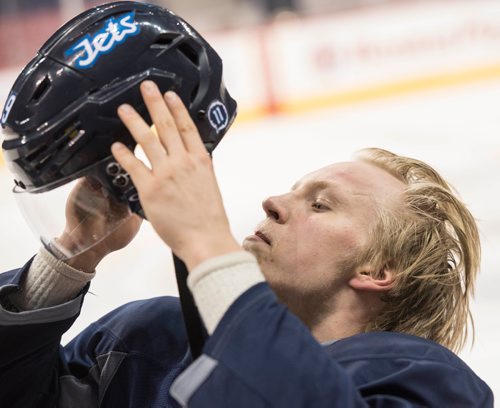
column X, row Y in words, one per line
column 315, row 81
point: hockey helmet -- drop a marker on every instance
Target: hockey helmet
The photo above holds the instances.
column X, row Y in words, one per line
column 60, row 118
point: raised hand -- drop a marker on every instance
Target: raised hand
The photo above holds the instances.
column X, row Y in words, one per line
column 96, row 224
column 179, row 193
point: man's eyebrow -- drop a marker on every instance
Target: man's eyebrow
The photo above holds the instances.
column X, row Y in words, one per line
column 314, row 185
column 330, row 187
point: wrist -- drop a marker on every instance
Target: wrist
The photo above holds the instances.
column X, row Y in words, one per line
column 86, row 261
column 65, row 246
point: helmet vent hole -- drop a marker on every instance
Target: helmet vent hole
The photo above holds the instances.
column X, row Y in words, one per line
column 189, row 53
column 70, row 133
column 41, row 89
column 164, row 40
column 34, row 155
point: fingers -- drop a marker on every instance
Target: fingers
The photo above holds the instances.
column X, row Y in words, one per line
column 131, row 164
column 162, row 118
column 142, row 134
column 185, row 126
column 176, row 130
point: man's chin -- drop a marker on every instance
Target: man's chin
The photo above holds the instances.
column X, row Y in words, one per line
column 253, row 248
column 262, row 257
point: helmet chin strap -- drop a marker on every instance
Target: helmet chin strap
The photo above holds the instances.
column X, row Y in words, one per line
column 195, row 328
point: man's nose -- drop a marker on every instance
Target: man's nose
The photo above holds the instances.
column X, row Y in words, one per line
column 275, row 208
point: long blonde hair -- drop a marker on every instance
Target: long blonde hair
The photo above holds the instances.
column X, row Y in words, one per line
column 432, row 246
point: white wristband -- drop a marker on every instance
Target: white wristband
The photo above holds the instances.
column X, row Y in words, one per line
column 217, row 282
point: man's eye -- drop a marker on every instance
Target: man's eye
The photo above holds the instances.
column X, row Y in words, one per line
column 317, row 205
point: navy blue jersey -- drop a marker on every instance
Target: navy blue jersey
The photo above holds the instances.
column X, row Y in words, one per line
column 260, row 355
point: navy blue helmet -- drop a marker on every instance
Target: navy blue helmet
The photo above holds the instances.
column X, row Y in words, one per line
column 60, row 117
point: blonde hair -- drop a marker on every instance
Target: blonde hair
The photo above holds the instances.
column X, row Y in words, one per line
column 431, row 243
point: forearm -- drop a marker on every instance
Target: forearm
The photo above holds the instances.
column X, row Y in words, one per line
column 48, row 282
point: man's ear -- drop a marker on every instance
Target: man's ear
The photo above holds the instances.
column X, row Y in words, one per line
column 368, row 279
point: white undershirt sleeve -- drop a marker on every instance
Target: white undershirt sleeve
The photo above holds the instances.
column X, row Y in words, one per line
column 49, row 282
column 217, row 282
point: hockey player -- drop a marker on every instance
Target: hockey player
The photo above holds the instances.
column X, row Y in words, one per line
column 353, row 292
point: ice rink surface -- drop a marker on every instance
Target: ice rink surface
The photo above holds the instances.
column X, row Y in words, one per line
column 457, row 130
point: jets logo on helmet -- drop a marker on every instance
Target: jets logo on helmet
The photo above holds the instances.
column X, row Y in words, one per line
column 218, row 116
column 115, row 32
column 8, row 107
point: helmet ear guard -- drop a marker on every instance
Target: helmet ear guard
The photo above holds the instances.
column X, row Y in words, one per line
column 63, row 104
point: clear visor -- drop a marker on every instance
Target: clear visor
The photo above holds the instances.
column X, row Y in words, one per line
column 73, row 218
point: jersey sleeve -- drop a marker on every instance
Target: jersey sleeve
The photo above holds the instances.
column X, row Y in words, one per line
column 30, row 346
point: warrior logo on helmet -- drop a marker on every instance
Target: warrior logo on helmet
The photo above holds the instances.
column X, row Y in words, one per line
column 115, row 31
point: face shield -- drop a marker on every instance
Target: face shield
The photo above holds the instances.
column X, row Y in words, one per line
column 73, row 218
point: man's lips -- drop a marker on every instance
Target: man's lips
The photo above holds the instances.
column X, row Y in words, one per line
column 263, row 237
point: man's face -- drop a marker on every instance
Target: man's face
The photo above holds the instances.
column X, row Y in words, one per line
column 311, row 235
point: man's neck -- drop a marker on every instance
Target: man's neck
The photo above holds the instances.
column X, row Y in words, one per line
column 348, row 315
column 335, row 327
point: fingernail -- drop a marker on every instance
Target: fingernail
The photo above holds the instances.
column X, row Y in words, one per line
column 117, row 146
column 170, row 96
column 125, row 108
column 148, row 86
